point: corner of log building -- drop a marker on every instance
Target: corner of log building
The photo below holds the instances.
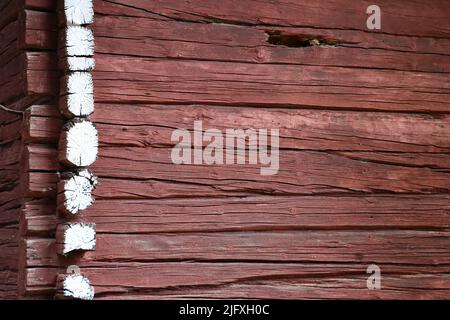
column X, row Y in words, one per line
column 91, row 98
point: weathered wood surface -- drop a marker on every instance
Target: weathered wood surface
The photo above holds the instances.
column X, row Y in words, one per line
column 263, row 213
column 364, row 126
column 432, row 21
column 150, row 80
column 21, row 79
column 152, row 125
column 401, row 247
column 330, row 77
column 74, row 286
column 321, row 172
column 10, row 201
column 249, row 280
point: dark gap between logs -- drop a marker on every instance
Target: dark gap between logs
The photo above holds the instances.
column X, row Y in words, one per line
column 298, row 41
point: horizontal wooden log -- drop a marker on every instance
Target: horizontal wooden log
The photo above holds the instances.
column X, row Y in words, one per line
column 152, row 81
column 44, row 185
column 10, row 132
column 250, row 280
column 29, row 75
column 392, row 246
column 301, row 172
column 249, row 214
column 152, row 125
column 9, row 42
column 397, row 18
column 40, row 30
column 224, row 42
column 75, row 12
column 11, row 10
column 44, row 5
column 77, row 95
column 77, row 41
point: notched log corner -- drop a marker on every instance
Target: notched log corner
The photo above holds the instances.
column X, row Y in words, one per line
column 77, row 95
column 75, row 192
column 279, row 38
column 77, row 41
column 71, row 237
column 74, row 286
column 75, row 12
column 78, row 143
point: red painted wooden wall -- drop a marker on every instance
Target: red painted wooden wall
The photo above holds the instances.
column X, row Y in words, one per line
column 364, row 149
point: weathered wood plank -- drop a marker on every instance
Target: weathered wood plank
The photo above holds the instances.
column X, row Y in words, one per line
column 249, row 280
column 432, row 21
column 44, row 185
column 29, row 75
column 250, row 213
column 388, row 246
column 9, row 42
column 8, row 284
column 139, row 80
column 152, row 125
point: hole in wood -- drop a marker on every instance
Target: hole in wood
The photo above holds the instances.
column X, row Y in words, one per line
column 72, row 237
column 297, row 41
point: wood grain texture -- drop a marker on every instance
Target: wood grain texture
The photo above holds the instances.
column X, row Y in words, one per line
column 151, row 80
column 249, row 280
column 263, row 213
column 227, row 42
column 321, row 172
column 431, row 22
column 11, row 164
column 152, row 126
